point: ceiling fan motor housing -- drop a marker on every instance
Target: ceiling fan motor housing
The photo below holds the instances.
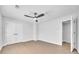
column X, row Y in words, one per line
column 36, row 20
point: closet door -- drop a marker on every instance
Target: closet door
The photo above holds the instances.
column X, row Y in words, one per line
column 14, row 32
column 10, row 31
column 19, row 32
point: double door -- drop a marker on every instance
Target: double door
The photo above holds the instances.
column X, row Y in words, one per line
column 13, row 32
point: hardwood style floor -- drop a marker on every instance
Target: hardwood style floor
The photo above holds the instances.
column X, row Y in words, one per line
column 36, row 47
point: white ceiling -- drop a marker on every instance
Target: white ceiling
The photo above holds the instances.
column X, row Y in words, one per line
column 51, row 11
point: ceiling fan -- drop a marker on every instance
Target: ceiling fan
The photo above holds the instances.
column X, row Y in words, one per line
column 36, row 16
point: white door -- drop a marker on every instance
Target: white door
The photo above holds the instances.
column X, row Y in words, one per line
column 14, row 32
column 19, row 31
column 9, row 31
column 73, row 34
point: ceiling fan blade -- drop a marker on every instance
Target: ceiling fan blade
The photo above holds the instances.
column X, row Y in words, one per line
column 29, row 16
column 40, row 15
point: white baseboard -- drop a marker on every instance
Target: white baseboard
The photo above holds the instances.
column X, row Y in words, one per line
column 60, row 43
column 78, row 50
column 13, row 42
column 1, row 48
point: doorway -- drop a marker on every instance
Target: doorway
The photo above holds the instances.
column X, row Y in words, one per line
column 66, row 34
column 69, row 33
column 66, row 31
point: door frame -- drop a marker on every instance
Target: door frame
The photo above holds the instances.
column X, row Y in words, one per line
column 71, row 19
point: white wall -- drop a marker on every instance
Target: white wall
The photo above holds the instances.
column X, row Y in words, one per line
column 66, row 31
column 78, row 34
column 1, row 41
column 27, row 29
column 51, row 31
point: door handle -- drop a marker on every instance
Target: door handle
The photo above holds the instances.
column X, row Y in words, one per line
column 16, row 34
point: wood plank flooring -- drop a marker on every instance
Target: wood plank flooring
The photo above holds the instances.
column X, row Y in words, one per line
column 36, row 47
